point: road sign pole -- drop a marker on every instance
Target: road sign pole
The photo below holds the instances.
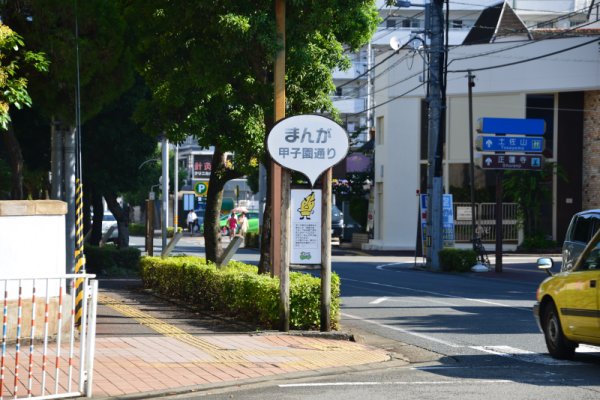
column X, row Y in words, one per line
column 499, row 233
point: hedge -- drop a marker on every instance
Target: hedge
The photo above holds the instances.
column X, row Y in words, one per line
column 140, row 230
column 238, row 290
column 110, row 260
column 457, row 260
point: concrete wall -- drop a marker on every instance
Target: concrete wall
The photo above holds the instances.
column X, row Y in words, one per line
column 32, row 238
column 32, row 245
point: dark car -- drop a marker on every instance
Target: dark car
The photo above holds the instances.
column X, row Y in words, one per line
column 337, row 223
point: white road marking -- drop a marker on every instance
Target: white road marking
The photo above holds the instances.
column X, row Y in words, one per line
column 482, row 301
column 523, row 355
column 586, row 348
column 379, row 300
column 395, row 328
column 453, row 382
column 381, row 267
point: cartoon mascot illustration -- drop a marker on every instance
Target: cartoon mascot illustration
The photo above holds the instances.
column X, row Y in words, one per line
column 307, row 206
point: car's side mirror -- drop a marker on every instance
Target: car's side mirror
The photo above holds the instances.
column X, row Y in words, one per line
column 545, row 264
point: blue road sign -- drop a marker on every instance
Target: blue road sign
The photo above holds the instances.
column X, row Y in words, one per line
column 517, row 126
column 510, row 143
column 512, row 161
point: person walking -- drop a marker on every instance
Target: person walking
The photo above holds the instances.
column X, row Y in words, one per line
column 192, row 218
column 242, row 225
column 232, row 224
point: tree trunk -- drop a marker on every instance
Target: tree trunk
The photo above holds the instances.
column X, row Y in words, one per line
column 264, row 263
column 15, row 161
column 214, row 198
column 97, row 219
column 122, row 216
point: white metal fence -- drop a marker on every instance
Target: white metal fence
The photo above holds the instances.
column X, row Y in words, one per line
column 45, row 354
column 485, row 222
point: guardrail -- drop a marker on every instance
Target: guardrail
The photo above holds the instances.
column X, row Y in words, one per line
column 44, row 354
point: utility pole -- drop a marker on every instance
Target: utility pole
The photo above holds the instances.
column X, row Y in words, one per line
column 470, row 84
column 435, row 240
column 280, row 186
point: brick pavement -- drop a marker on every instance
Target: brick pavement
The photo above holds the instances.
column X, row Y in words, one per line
column 157, row 353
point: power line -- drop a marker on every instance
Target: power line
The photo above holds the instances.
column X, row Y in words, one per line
column 525, row 60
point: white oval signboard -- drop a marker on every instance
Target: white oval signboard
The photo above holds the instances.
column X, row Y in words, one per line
column 308, row 144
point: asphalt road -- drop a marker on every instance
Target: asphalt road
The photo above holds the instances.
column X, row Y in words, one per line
column 472, row 336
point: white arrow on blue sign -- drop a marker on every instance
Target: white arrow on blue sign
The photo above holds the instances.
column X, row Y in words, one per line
column 510, row 143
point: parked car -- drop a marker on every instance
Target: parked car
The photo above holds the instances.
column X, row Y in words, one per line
column 337, row 223
column 567, row 309
column 109, row 220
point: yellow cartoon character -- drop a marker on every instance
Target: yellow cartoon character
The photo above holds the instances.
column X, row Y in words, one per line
column 307, row 206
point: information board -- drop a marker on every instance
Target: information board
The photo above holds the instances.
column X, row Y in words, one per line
column 306, row 226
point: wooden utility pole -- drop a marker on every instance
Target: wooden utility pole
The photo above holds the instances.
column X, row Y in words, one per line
column 280, row 184
column 326, row 252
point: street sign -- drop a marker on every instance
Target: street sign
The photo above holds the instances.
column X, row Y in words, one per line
column 306, row 226
column 308, row 144
column 510, row 143
column 507, row 126
column 201, row 188
column 511, row 161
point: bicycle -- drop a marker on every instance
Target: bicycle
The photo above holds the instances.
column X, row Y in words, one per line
column 482, row 256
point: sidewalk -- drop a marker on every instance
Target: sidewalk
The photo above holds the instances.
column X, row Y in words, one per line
column 146, row 347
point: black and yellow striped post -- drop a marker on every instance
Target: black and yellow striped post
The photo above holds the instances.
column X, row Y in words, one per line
column 79, row 255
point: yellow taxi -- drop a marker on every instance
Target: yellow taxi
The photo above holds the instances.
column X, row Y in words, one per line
column 567, row 308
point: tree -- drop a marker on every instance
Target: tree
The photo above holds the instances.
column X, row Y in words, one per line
column 113, row 149
column 209, row 66
column 530, row 189
column 102, row 71
column 14, row 61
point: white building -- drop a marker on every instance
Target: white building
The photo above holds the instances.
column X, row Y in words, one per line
column 555, row 76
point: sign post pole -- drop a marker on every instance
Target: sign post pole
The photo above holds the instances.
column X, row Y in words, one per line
column 499, row 233
column 514, row 141
column 326, row 253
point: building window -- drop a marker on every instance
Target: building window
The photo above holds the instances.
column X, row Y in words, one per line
column 457, row 24
column 379, row 132
column 390, row 23
column 542, row 106
column 338, row 91
column 406, row 23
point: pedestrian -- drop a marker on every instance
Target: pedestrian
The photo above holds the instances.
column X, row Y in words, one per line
column 242, row 225
column 232, row 224
column 192, row 219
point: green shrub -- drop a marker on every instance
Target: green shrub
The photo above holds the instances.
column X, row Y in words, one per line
column 137, row 229
column 238, row 290
column 457, row 260
column 112, row 261
column 537, row 242
column 140, row 230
